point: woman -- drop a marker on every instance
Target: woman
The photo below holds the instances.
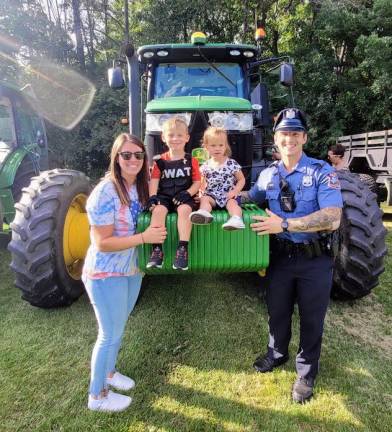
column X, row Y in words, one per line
column 110, row 272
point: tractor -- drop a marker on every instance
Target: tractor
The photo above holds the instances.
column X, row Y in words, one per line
column 215, row 84
column 23, row 149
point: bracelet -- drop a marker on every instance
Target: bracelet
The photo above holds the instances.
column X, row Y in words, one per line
column 141, row 234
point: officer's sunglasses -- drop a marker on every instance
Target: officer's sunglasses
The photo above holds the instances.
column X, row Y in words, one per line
column 127, row 155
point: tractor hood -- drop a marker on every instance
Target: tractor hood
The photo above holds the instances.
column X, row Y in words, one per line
column 198, row 103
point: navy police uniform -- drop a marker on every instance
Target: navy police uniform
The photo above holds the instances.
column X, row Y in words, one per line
column 301, row 267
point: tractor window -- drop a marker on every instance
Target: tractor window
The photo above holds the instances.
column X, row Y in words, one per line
column 198, row 79
column 30, row 129
column 7, row 132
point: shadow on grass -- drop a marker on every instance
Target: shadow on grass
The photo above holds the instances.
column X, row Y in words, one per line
column 223, row 414
column 190, row 344
column 208, row 330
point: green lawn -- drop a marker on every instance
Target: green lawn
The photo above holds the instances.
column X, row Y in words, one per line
column 190, row 345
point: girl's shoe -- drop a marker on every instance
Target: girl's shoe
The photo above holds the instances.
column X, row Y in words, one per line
column 234, row 223
column 121, row 382
column 201, row 217
column 113, row 402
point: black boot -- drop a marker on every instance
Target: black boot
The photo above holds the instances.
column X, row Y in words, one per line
column 266, row 364
column 302, row 389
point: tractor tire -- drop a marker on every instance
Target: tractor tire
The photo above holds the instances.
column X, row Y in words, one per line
column 369, row 181
column 360, row 259
column 26, row 171
column 37, row 245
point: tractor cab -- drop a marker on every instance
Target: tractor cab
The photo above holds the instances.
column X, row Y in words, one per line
column 208, row 84
column 23, row 148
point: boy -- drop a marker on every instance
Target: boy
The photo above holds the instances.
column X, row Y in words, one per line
column 175, row 179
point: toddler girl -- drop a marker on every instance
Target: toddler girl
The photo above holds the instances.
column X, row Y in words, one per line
column 222, row 181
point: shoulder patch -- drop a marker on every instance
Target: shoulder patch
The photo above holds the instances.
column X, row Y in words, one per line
column 333, row 180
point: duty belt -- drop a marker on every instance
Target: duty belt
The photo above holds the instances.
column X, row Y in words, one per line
column 309, row 249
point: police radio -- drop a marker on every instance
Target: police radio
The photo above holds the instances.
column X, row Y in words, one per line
column 287, row 201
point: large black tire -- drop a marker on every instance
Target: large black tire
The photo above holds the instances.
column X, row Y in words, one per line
column 37, row 238
column 27, row 169
column 362, row 248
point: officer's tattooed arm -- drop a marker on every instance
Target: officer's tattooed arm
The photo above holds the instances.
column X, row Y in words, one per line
column 325, row 219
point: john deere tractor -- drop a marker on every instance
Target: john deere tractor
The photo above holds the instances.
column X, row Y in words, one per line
column 23, row 149
column 207, row 84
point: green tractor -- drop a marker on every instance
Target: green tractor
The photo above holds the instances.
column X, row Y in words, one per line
column 208, row 84
column 23, row 149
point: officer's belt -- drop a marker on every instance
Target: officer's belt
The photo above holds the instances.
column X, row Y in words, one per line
column 309, row 249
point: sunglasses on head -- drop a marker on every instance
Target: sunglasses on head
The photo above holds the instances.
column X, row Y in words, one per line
column 127, row 155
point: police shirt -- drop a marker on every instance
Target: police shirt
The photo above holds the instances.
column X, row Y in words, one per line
column 315, row 184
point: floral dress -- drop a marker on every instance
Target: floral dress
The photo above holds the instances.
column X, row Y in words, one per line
column 220, row 180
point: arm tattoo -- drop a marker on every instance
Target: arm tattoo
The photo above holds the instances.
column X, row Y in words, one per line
column 327, row 219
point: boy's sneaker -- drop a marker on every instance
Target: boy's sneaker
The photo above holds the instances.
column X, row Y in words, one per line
column 234, row 223
column 113, row 402
column 201, row 217
column 156, row 258
column 121, row 382
column 181, row 261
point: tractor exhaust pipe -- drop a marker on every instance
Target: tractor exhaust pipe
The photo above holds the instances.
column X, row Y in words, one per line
column 133, row 90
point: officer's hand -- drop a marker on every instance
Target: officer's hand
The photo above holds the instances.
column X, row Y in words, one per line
column 181, row 197
column 152, row 202
column 270, row 224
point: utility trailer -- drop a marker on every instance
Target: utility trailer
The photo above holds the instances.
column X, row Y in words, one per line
column 370, row 155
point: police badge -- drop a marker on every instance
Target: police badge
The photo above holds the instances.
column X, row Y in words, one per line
column 290, row 114
column 307, row 180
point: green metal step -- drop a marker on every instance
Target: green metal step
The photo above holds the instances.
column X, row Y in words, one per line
column 212, row 249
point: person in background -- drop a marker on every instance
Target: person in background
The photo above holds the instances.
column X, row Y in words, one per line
column 175, row 180
column 110, row 273
column 336, row 156
column 304, row 208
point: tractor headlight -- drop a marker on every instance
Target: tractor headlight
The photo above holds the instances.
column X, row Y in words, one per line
column 231, row 121
column 154, row 122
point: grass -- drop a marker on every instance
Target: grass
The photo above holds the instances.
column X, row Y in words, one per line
column 189, row 345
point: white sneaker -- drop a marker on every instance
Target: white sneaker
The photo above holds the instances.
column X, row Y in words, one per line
column 121, row 382
column 113, row 402
column 234, row 223
column 201, row 217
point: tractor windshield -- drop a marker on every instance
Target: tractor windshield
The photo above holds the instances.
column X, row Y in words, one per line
column 7, row 132
column 198, row 79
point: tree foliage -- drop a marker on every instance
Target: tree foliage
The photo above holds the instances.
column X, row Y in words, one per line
column 342, row 51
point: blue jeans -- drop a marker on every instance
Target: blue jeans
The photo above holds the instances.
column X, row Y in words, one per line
column 113, row 299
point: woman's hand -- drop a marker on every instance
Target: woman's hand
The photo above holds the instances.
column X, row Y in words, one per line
column 154, row 234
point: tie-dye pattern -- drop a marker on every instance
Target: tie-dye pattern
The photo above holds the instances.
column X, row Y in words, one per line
column 104, row 208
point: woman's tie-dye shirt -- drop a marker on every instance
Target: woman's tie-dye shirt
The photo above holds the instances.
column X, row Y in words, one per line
column 104, row 208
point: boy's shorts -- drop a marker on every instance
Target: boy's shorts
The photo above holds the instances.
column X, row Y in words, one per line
column 167, row 202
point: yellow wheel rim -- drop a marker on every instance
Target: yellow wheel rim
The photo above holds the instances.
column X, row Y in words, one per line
column 76, row 238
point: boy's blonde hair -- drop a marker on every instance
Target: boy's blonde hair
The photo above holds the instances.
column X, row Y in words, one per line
column 212, row 132
column 174, row 122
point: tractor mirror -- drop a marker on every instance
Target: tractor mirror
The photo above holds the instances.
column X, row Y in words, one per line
column 116, row 78
column 259, row 100
column 287, row 74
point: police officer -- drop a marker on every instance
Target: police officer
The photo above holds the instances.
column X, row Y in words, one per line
column 304, row 203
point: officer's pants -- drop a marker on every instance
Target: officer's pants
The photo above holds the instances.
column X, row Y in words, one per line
column 307, row 281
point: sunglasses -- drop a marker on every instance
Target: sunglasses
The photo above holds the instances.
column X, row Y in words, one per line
column 127, row 155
